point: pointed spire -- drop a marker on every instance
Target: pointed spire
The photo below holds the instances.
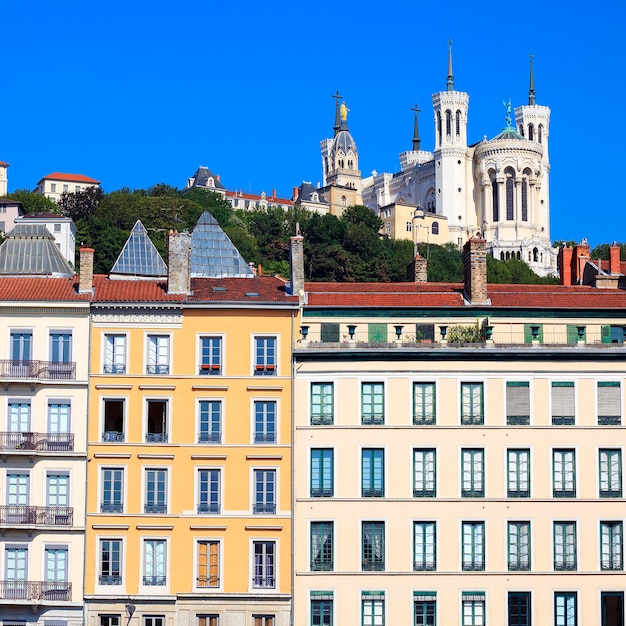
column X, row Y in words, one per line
column 416, row 132
column 337, row 125
column 531, row 88
column 450, row 82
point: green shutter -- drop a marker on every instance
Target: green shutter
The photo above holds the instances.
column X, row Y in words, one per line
column 330, row 332
column 606, row 334
column 377, row 333
column 528, row 335
column 572, row 334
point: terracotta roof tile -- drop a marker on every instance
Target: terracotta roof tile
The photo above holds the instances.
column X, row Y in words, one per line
column 107, row 290
column 252, row 196
column 45, row 289
column 72, row 178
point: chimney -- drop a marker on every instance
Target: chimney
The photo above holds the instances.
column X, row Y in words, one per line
column 217, row 176
column 294, row 195
column 179, row 269
column 581, row 256
column 614, row 259
column 85, row 279
column 296, row 261
column 417, row 270
column 475, row 271
column 565, row 265
column 273, row 193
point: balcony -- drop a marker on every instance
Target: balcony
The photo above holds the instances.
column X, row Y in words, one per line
column 214, row 437
column 35, row 590
column 38, row 442
column 425, row 566
column 264, row 509
column 110, row 580
column 154, row 581
column 212, row 507
column 264, row 582
column 37, row 370
column 157, row 369
column 112, row 436
column 24, row 515
column 156, row 437
column 210, row 369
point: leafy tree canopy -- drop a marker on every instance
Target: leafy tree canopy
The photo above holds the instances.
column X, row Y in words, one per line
column 33, row 202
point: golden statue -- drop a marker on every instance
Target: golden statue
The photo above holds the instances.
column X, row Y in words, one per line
column 343, row 111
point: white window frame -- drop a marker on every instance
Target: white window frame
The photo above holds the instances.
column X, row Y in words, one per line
column 277, row 425
column 126, row 351
column 221, row 370
column 276, row 587
column 155, row 589
column 220, row 488
column 160, row 363
column 253, row 470
column 107, row 467
column 144, row 486
column 122, row 586
column 167, row 433
column 265, row 365
column 125, row 402
column 221, row 439
column 196, row 542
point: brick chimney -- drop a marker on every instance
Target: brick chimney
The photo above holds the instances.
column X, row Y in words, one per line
column 85, row 278
column 294, row 194
column 581, row 256
column 296, row 260
column 614, row 259
column 565, row 265
column 417, row 270
column 475, row 271
column 179, row 269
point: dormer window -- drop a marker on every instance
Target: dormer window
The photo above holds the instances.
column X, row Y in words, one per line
column 210, row 182
column 315, row 197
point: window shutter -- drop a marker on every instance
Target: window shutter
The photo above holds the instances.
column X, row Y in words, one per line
column 518, row 399
column 563, row 399
column 609, row 404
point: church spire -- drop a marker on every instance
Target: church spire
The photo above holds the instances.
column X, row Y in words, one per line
column 416, row 132
column 337, row 125
column 531, row 88
column 450, row 81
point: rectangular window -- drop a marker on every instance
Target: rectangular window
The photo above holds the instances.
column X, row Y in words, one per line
column 53, row 187
column 113, row 420
column 519, row 546
column 424, row 473
column 59, row 424
column 473, row 539
column 114, row 354
column 564, row 473
column 563, row 404
column 110, row 562
column 322, row 611
column 518, row 469
column 322, row 404
column 109, row 620
column 565, row 546
column 208, row 564
column 609, row 403
column 264, row 492
column 322, row 546
column 473, row 473
column 16, row 567
column 565, row 609
column 373, row 546
column 264, row 576
column 154, row 570
column 17, row 488
column 265, row 356
column 611, row 546
column 156, row 491
column 158, row 361
column 472, row 411
column 610, row 473
column 210, row 356
column 373, row 609
column 21, row 350
column 210, row 421
column 322, row 462
column 519, row 608
column 208, row 620
column 372, row 403
column 518, row 403
column 329, row 332
column 425, row 605
column 424, row 546
column 573, row 336
column 157, row 418
column 424, row 412
column 61, row 346
column 612, row 608
column 209, row 491
column 425, row 332
column 56, row 568
column 612, row 334
column 112, row 490
column 372, row 473
column 263, row 620
column 153, row 620
column 57, row 492
column 19, row 416
column 473, row 609
column 264, row 421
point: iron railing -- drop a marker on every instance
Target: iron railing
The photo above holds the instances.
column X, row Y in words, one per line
column 42, row 370
column 35, row 590
column 40, row 442
column 23, row 514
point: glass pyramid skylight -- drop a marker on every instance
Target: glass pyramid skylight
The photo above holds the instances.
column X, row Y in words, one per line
column 139, row 257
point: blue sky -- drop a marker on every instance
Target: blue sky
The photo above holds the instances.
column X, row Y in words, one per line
column 135, row 93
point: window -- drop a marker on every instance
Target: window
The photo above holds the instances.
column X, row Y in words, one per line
column 518, row 468
column 423, row 403
column 517, row 403
column 264, row 576
column 264, row 492
column 113, row 418
column 564, row 473
column 322, row 472
column 53, row 187
column 373, row 546
column 322, row 546
column 17, row 488
column 265, row 356
column 156, row 431
column 61, row 346
column 329, row 332
column 114, row 354
column 16, row 568
column 58, row 422
column 610, row 473
column 473, row 609
column 563, row 411
column 473, row 473
column 109, row 620
column 519, row 546
column 156, row 491
column 435, row 228
column 473, row 540
column 372, row 403
column 472, row 404
column 112, row 499
column 425, row 604
column 57, row 493
column 565, row 609
column 612, row 334
column 519, row 608
column 208, row 564
column 565, row 546
column 19, row 416
column 609, row 403
column 322, row 404
column 210, row 421
column 373, row 608
column 372, row 473
column 209, row 491
column 611, row 546
column 612, row 608
column 154, row 620
column 65, row 188
column 424, row 546
column 208, row 620
column 264, row 421
column 424, row 473
column 158, row 361
column 533, row 332
column 425, row 332
column 210, row 356
column 263, row 620
column 322, row 609
column 154, row 563
column 377, row 333
column 21, row 345
column 110, row 562
column 56, row 568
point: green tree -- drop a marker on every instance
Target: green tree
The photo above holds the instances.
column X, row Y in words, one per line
column 33, row 202
column 80, row 204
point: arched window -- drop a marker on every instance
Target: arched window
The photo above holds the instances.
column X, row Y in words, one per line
column 502, row 256
column 494, row 197
column 531, row 132
column 435, row 228
column 510, row 193
column 315, row 197
column 508, row 256
column 343, row 201
column 350, row 164
column 210, row 182
column 540, row 131
column 521, row 130
column 439, row 125
column 517, row 254
column 535, row 255
column 524, row 200
column 448, row 123
column 458, row 123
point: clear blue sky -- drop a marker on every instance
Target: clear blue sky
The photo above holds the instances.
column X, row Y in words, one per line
column 135, row 93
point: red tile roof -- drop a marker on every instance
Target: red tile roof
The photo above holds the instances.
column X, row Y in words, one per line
column 252, row 196
column 72, row 178
column 31, row 289
column 4, row 163
column 107, row 290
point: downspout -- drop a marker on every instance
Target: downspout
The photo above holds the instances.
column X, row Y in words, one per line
column 292, row 473
column 86, row 463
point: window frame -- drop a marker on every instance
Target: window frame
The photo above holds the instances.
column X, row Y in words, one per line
column 613, row 487
column 473, row 465
column 263, row 435
column 118, row 364
column 422, row 416
column 562, row 402
column 424, row 608
column 565, row 596
column 213, row 483
column 264, row 580
column 372, row 608
column 614, row 559
column 376, row 532
column 218, row 566
column 263, row 505
column 372, row 472
column 155, row 364
column 264, row 363
column 423, row 479
column 154, row 436
column 115, row 580
column 369, row 398
column 322, row 546
column 321, row 605
column 559, row 466
column 427, row 561
column 473, row 417
column 525, row 603
column 564, row 533
column 213, row 363
column 66, row 345
column 517, row 404
column 609, row 417
column 156, row 578
column 516, row 476
column 321, row 491
column 473, row 544
column 325, row 415
column 473, row 600
column 516, row 551
column 113, row 436
column 208, row 435
column 156, row 508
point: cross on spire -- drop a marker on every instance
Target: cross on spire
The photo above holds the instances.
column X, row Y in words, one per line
column 416, row 134
column 337, row 125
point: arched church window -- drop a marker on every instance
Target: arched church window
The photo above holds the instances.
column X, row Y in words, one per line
column 510, row 191
column 540, row 130
column 508, row 256
column 494, row 198
column 521, row 130
column 502, row 255
column 524, row 200
column 448, row 123
column 531, row 132
column 439, row 125
column 535, row 255
column 349, row 164
column 517, row 254
column 435, row 228
column 458, row 123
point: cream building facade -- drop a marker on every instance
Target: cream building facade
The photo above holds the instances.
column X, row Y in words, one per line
column 57, row 183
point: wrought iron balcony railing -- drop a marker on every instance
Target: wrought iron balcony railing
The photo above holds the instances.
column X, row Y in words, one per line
column 35, row 590
column 41, row 370
column 39, row 442
column 112, row 580
column 23, row 514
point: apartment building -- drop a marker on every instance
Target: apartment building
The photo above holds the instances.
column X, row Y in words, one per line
column 57, row 183
column 459, row 453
